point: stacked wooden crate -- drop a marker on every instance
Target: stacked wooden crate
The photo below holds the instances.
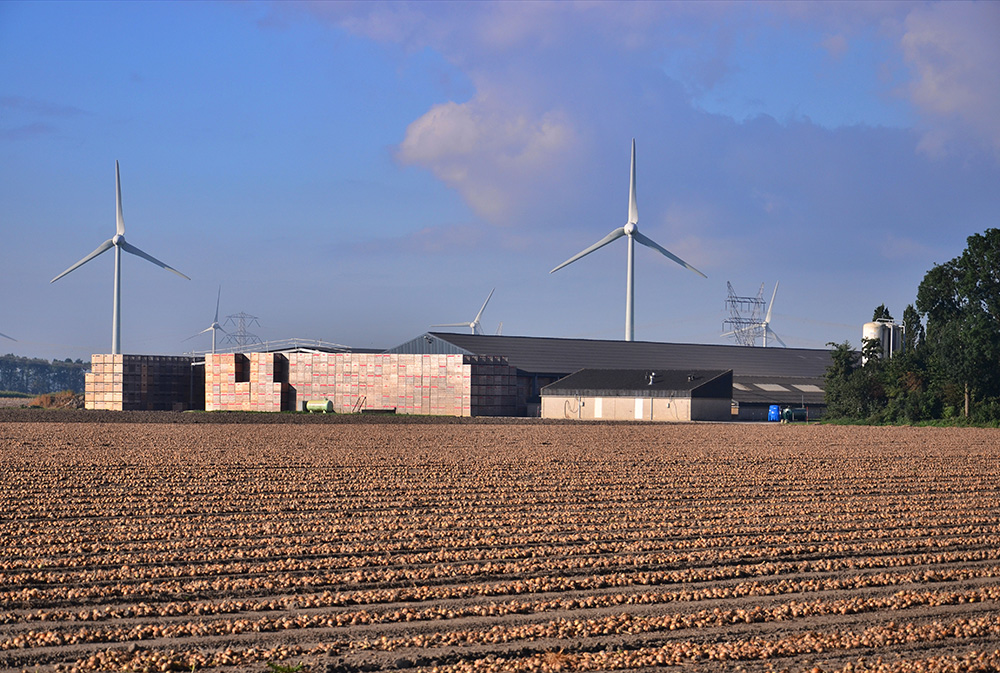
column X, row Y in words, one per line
column 102, row 390
column 439, row 385
column 493, row 388
column 138, row 382
column 223, row 373
column 405, row 384
column 268, row 382
column 234, row 382
column 431, row 384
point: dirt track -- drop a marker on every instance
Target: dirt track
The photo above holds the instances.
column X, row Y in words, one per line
column 217, row 542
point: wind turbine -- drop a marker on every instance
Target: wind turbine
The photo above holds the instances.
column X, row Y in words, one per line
column 215, row 326
column 631, row 230
column 477, row 328
column 764, row 327
column 767, row 320
column 119, row 244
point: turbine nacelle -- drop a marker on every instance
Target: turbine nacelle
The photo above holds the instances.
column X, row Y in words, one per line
column 630, row 228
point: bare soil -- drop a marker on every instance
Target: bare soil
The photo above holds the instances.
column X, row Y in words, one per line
column 227, row 542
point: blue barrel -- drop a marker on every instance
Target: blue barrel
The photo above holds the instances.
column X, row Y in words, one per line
column 773, row 413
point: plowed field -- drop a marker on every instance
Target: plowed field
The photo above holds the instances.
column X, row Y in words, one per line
column 229, row 546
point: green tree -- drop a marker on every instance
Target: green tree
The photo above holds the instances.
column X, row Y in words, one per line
column 961, row 301
column 881, row 313
column 852, row 390
column 913, row 329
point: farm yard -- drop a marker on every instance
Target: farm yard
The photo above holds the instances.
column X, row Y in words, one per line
column 216, row 543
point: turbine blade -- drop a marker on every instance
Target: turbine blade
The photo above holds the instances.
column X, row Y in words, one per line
column 7, row 337
column 107, row 245
column 217, row 300
column 775, row 335
column 767, row 318
column 617, row 233
column 741, row 330
column 452, row 324
column 650, row 243
column 128, row 247
column 633, row 205
column 118, row 201
column 479, row 315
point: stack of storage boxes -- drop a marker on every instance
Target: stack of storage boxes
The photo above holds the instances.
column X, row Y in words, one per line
column 268, row 382
column 440, row 385
column 406, row 384
column 234, row 382
column 139, row 382
column 493, row 385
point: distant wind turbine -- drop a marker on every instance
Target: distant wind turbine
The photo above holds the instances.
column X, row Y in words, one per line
column 763, row 328
column 215, row 326
column 119, row 244
column 631, row 230
column 475, row 325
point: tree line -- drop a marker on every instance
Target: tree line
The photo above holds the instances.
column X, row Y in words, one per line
column 949, row 366
column 36, row 376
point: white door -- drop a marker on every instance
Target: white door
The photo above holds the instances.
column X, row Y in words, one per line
column 638, row 409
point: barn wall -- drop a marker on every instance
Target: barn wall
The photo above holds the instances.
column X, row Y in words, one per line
column 711, row 409
column 627, row 408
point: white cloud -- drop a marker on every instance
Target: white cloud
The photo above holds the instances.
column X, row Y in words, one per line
column 488, row 151
column 955, row 54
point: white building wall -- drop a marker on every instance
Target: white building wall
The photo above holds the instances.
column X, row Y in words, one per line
column 633, row 408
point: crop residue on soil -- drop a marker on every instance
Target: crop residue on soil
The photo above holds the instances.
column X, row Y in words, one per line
column 488, row 547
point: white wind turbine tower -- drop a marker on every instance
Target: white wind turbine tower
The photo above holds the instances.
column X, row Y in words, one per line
column 631, row 230
column 119, row 244
column 475, row 325
column 215, row 326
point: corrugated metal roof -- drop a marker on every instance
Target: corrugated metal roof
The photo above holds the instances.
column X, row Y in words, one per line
column 546, row 355
column 644, row 383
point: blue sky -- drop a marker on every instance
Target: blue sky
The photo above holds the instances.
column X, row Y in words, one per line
column 356, row 172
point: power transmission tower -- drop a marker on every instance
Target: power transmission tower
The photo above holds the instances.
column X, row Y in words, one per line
column 240, row 337
column 746, row 319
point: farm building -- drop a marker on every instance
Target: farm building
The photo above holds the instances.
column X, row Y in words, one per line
column 789, row 377
column 640, row 395
column 444, row 374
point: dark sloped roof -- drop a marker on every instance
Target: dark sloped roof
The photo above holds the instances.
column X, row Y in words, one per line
column 644, row 383
column 546, row 355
